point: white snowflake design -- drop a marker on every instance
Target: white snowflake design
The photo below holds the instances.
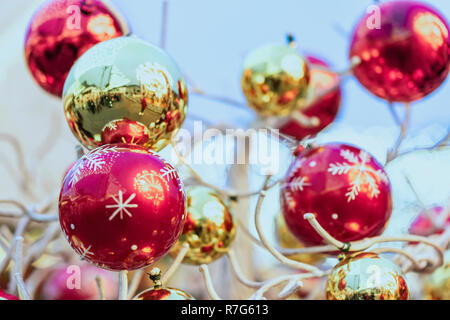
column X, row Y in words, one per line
column 298, row 183
column 91, row 162
column 168, row 171
column 83, row 251
column 363, row 174
column 122, row 207
column 289, row 199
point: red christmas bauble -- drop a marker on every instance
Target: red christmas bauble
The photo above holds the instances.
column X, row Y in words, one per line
column 406, row 56
column 5, row 296
column 61, row 31
column 122, row 207
column 77, row 282
column 325, row 109
column 433, row 221
column 125, row 131
column 346, row 189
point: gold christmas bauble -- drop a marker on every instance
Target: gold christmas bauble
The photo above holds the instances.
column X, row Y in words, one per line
column 209, row 228
column 366, row 276
column 163, row 293
column 287, row 241
column 437, row 285
column 125, row 90
column 275, row 79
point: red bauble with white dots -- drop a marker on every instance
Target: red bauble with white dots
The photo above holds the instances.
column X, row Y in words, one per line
column 122, row 207
column 431, row 221
column 61, row 31
column 344, row 187
column 77, row 282
column 326, row 94
column 406, row 56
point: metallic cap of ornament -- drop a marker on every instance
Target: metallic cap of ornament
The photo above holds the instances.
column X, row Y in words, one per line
column 366, row 276
column 125, row 90
column 160, row 292
column 209, row 229
column 275, row 79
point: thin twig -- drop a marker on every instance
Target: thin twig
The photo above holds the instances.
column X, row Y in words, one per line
column 238, row 272
column 20, row 229
column 123, row 284
column 164, row 24
column 404, row 125
column 23, row 292
column 101, row 291
column 280, row 257
column 208, row 282
column 176, row 263
column 134, row 284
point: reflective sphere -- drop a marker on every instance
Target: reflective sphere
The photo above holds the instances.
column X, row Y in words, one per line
column 344, row 186
column 122, row 207
column 437, row 285
column 408, row 57
column 287, row 241
column 366, row 276
column 275, row 79
column 61, row 31
column 55, row 285
column 125, row 90
column 209, row 228
column 163, row 293
column 323, row 110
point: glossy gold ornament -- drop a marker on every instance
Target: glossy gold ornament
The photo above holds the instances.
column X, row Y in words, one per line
column 160, row 292
column 437, row 285
column 209, row 228
column 287, row 241
column 275, row 79
column 366, row 276
column 125, row 90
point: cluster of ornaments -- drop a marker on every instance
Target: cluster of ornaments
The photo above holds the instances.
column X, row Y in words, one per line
column 123, row 207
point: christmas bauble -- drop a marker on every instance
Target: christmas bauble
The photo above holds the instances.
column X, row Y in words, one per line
column 406, row 56
column 275, row 79
column 366, row 276
column 437, row 285
column 431, row 221
column 122, row 207
column 343, row 186
column 324, row 99
column 163, row 293
column 125, row 90
column 77, row 282
column 287, row 241
column 209, row 228
column 5, row 296
column 61, row 31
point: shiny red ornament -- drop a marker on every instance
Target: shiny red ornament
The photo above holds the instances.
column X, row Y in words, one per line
column 346, row 189
column 122, row 207
column 406, row 56
column 77, row 282
column 61, row 31
column 5, row 296
column 125, row 131
column 323, row 110
column 432, row 221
